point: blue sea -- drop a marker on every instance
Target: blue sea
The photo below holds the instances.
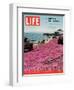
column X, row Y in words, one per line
column 35, row 36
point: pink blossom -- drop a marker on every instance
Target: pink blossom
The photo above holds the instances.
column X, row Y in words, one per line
column 48, row 56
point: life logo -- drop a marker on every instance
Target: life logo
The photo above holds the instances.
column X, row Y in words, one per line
column 32, row 20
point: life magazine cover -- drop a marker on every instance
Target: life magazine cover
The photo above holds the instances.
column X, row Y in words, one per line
column 42, row 43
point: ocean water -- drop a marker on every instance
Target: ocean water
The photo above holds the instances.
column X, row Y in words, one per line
column 35, row 36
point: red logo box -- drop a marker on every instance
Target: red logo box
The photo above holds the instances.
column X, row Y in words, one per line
column 32, row 21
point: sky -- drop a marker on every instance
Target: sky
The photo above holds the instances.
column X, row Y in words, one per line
column 45, row 25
